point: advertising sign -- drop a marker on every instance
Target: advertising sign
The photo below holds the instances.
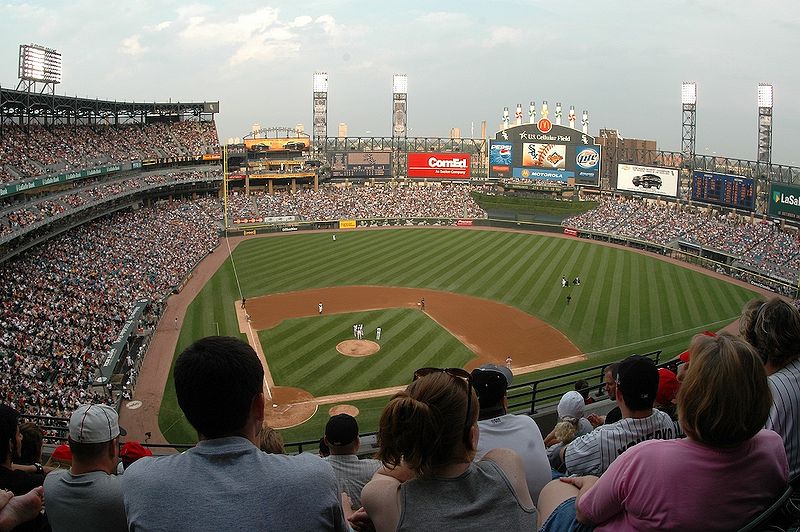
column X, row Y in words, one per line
column 544, row 151
column 439, row 165
column 347, row 224
column 282, row 144
column 784, row 201
column 361, row 164
column 723, row 189
column 647, row 179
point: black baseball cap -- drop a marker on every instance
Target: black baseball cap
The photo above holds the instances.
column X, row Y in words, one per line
column 637, row 378
column 491, row 382
column 342, row 429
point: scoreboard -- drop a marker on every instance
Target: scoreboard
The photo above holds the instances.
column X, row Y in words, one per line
column 723, row 189
column 361, row 164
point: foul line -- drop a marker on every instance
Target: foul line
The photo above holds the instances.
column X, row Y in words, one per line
column 251, row 337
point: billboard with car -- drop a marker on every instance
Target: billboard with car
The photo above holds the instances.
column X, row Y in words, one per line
column 647, row 179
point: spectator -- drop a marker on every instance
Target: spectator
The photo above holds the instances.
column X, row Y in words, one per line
column 727, row 462
column 637, row 384
column 427, row 437
column 582, row 387
column 501, row 430
column 270, row 440
column 610, row 385
column 668, row 387
column 88, row 496
column 571, row 424
column 32, row 440
column 352, row 474
column 218, row 383
column 132, row 451
column 773, row 328
column 15, row 480
column 61, row 458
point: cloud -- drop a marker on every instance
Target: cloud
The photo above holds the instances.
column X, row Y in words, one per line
column 503, row 35
column 131, row 46
column 301, row 22
column 161, row 26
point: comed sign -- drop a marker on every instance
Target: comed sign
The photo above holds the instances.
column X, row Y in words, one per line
column 784, row 201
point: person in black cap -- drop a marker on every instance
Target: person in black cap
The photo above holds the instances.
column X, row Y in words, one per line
column 341, row 436
column 501, row 430
column 637, row 384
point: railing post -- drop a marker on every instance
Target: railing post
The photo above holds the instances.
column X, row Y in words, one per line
column 533, row 397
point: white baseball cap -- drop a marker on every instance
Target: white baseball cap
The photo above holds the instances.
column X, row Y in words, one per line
column 571, row 405
column 94, row 424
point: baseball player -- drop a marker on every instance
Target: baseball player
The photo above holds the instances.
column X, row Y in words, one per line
column 334, row 238
column 637, row 385
column 355, row 330
column 509, row 361
column 320, row 307
column 378, row 333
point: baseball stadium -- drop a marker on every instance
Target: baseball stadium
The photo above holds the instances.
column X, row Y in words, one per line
column 130, row 231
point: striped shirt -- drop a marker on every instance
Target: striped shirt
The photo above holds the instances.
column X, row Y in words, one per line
column 783, row 415
column 352, row 473
column 592, row 453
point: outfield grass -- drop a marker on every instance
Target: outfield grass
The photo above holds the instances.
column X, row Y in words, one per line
column 302, row 352
column 628, row 302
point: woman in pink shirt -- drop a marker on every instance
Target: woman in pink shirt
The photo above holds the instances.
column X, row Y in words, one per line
column 724, row 473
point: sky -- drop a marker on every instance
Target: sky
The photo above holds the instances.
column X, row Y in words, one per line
column 622, row 60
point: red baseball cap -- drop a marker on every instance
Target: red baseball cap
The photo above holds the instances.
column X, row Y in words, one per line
column 133, row 450
column 62, row 453
column 685, row 355
column 668, row 386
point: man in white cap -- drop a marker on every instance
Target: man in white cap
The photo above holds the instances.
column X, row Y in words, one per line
column 88, row 496
column 499, row 429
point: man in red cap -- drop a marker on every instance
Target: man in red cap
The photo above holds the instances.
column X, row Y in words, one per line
column 668, row 387
column 132, row 451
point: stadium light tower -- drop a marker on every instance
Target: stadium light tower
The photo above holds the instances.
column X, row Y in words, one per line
column 764, row 154
column 764, row 123
column 320, row 127
column 38, row 64
column 689, row 128
column 399, row 123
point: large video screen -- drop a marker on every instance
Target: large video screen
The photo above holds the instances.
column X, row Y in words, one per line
column 648, row 179
column 361, row 164
column 544, row 151
column 439, row 165
column 784, row 201
column 723, row 189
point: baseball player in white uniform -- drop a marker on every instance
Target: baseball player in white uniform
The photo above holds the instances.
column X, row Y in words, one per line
column 637, row 384
column 378, row 333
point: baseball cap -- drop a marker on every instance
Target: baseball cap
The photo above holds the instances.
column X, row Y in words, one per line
column 637, row 377
column 571, row 405
column 684, row 357
column 62, row 453
column 94, row 424
column 341, row 429
column 132, row 451
column 667, row 386
column 491, row 382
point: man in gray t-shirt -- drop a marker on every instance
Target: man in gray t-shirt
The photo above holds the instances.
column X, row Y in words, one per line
column 226, row 482
column 88, row 496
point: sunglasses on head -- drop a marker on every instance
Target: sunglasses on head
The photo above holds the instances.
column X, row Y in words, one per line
column 457, row 373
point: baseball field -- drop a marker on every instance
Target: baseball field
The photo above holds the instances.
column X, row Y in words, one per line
column 488, row 294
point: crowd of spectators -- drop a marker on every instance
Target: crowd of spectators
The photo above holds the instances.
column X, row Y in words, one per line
column 63, row 304
column 332, row 203
column 759, row 244
column 34, row 151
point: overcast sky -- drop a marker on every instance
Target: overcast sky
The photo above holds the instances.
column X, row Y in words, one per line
column 623, row 61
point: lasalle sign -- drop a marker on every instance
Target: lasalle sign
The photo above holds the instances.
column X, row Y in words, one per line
column 784, row 201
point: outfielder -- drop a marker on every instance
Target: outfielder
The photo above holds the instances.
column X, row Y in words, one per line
column 378, row 333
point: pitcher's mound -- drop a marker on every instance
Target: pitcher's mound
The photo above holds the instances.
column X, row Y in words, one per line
column 289, row 407
column 343, row 409
column 358, row 348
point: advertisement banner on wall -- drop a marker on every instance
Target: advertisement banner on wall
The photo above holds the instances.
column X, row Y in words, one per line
column 647, row 179
column 545, row 151
column 347, row 224
column 439, row 165
column 500, row 160
column 784, row 201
